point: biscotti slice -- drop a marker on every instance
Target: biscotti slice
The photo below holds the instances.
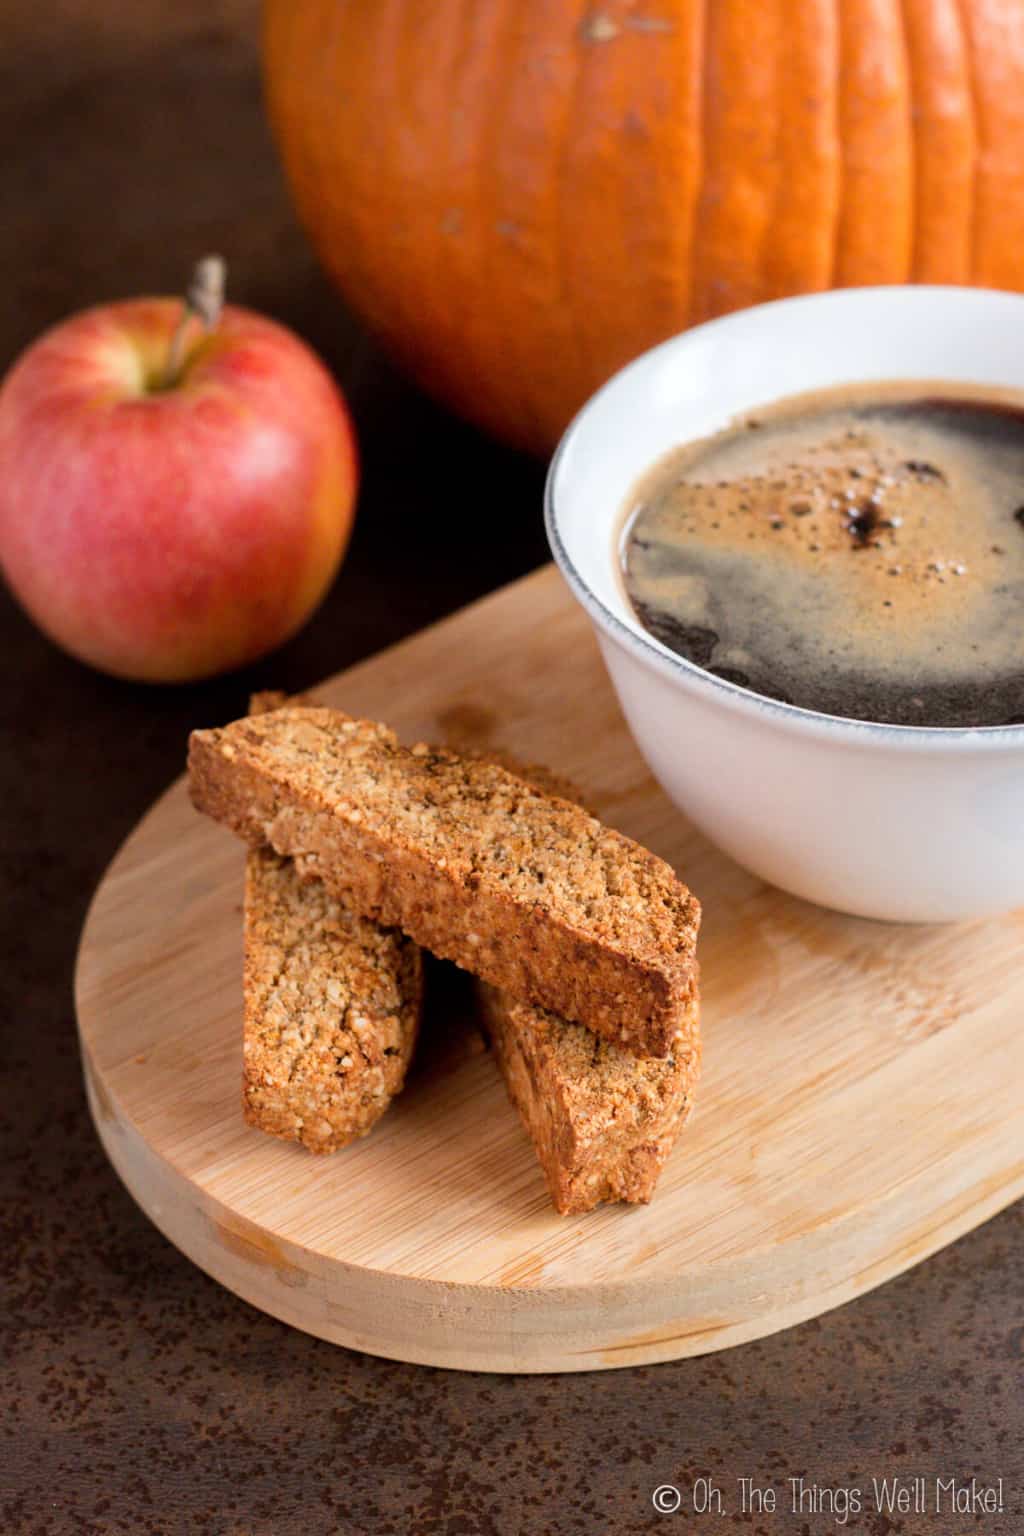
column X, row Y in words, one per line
column 332, row 1006
column 603, row 1122
column 523, row 888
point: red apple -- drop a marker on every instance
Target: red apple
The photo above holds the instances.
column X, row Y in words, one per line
column 166, row 517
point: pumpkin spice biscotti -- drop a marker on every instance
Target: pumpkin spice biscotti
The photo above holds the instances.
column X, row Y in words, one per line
column 602, row 1121
column 523, row 888
column 331, row 1005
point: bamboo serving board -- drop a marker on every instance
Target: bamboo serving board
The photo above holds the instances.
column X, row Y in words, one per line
column 860, row 1105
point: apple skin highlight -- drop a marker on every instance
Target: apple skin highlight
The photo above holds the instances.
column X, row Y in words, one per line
column 170, row 530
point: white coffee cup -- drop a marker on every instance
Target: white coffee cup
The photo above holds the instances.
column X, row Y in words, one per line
column 905, row 823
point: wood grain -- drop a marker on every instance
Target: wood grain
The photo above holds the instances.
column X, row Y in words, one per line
column 859, row 1107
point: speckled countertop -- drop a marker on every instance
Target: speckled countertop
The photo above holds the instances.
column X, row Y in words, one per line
column 137, row 1395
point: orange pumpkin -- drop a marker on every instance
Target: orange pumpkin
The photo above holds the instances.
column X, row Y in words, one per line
column 520, row 195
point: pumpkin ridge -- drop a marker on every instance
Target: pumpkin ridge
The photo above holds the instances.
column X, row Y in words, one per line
column 973, row 89
column 429, row 98
column 463, row 369
column 739, row 189
column 700, row 152
column 801, row 249
column 413, row 315
column 912, row 167
column 840, row 182
column 557, row 377
column 379, row 126
column 499, row 279
column 617, row 128
column 874, row 114
column 659, row 91
column 575, row 385
column 765, row 242
column 596, row 176
column 773, row 180
column 464, row 360
column 700, row 159
column 944, row 140
column 996, row 33
column 567, row 193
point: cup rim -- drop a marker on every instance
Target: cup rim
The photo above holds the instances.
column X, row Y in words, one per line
column 634, row 638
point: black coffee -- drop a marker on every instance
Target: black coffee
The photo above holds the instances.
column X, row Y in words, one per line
column 858, row 552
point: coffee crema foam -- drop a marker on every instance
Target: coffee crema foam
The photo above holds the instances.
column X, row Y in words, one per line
column 858, row 551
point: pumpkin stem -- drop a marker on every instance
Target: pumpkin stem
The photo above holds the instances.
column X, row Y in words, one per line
column 204, row 299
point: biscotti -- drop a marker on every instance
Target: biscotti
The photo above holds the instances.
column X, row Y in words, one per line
column 331, row 1005
column 602, row 1121
column 524, row 889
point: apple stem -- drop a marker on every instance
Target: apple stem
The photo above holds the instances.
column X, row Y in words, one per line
column 204, row 299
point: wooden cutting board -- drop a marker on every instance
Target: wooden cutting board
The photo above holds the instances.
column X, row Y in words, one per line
column 860, row 1105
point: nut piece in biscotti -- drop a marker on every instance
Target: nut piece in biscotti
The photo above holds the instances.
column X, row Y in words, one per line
column 523, row 888
column 332, row 1006
column 602, row 1121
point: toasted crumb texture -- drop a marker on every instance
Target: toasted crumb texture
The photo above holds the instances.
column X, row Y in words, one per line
column 523, row 888
column 538, row 775
column 603, row 1122
column 332, row 1005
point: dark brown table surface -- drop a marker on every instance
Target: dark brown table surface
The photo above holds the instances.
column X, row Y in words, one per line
column 137, row 1395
